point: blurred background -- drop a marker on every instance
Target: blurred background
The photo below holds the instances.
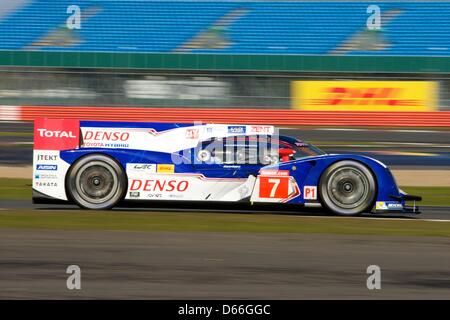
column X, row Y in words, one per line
column 365, row 77
column 348, row 76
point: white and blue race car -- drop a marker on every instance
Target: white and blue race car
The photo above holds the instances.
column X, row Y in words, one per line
column 98, row 165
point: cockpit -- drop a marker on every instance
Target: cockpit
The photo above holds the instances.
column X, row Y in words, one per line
column 256, row 149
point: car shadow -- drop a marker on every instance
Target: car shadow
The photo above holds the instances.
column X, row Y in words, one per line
column 220, row 207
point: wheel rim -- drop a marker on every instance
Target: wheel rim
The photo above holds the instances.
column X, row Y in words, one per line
column 348, row 187
column 95, row 182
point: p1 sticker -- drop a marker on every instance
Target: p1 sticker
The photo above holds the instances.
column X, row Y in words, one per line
column 310, row 192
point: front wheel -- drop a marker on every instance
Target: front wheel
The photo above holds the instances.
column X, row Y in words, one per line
column 347, row 188
column 96, row 182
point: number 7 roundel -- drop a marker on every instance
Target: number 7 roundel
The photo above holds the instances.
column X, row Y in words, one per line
column 273, row 187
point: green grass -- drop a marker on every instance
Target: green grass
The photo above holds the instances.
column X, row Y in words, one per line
column 432, row 196
column 16, row 134
column 214, row 222
column 4, row 145
column 16, row 189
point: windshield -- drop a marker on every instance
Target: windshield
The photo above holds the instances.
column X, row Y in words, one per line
column 303, row 150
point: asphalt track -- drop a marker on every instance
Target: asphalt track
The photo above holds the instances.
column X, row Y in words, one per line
column 172, row 265
column 215, row 265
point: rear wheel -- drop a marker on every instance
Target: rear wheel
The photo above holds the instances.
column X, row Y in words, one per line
column 96, row 182
column 347, row 188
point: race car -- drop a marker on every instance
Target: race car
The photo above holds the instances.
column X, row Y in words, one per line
column 100, row 164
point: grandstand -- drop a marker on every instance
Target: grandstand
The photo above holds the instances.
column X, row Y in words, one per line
column 229, row 27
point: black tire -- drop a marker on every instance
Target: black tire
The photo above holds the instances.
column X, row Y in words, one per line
column 96, row 182
column 347, row 188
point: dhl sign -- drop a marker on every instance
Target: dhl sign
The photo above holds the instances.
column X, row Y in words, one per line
column 364, row 95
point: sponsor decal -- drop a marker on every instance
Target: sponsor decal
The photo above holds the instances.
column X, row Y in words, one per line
column 46, row 176
column 44, row 133
column 381, row 205
column 310, row 192
column 236, row 129
column 231, row 166
column 364, row 95
column 394, row 206
column 273, row 187
column 388, row 205
column 106, row 138
column 45, row 184
column 274, row 172
column 161, row 185
column 301, row 144
column 105, row 145
column 176, row 196
column 143, row 166
column 48, row 167
column 166, row 168
column 134, row 194
column 51, row 134
column 154, row 195
column 47, row 157
column 106, row 135
column 192, row 133
column 261, row 129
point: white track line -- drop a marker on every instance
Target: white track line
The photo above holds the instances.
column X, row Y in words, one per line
column 417, row 131
column 386, row 218
column 377, row 218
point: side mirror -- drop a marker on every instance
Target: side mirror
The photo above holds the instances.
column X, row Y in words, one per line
column 285, row 154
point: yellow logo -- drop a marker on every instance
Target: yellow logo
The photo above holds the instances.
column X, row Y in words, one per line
column 381, row 205
column 165, row 168
column 364, row 95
